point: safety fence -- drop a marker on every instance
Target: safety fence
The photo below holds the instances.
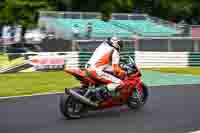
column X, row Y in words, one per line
column 157, row 44
column 90, row 15
column 149, row 44
column 75, row 60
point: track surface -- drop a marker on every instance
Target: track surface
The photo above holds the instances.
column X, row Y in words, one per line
column 170, row 109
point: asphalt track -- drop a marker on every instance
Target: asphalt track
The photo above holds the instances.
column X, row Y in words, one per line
column 170, row 109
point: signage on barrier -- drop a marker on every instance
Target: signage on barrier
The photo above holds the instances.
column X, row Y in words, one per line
column 47, row 62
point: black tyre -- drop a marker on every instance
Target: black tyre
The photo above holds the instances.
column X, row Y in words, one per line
column 137, row 100
column 70, row 107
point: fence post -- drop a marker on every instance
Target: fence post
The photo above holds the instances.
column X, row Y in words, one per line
column 196, row 46
column 136, row 41
column 81, row 15
column 128, row 17
column 169, row 45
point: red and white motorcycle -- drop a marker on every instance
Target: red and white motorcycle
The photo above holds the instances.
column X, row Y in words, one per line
column 77, row 101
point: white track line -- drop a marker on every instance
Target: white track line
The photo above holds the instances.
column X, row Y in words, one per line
column 40, row 94
column 195, row 132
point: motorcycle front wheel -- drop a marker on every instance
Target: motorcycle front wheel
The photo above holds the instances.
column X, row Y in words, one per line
column 137, row 100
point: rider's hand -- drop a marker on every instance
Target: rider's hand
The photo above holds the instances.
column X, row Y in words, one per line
column 118, row 71
column 121, row 73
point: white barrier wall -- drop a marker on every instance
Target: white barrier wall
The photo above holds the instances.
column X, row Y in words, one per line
column 161, row 59
column 143, row 59
column 54, row 60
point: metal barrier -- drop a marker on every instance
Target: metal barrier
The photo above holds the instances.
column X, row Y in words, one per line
column 90, row 15
column 162, row 44
column 91, row 45
column 169, row 44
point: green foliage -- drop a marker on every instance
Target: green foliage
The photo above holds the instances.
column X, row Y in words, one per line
column 25, row 12
column 175, row 8
column 178, row 9
column 119, row 5
column 22, row 12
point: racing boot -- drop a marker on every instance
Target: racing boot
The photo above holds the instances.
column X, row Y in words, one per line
column 111, row 90
column 100, row 94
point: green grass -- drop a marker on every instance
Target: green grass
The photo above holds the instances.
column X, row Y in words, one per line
column 187, row 70
column 5, row 63
column 3, row 58
column 35, row 82
column 43, row 82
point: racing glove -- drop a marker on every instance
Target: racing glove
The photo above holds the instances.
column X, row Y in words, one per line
column 118, row 71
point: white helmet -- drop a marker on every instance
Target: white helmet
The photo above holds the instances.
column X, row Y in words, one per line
column 115, row 42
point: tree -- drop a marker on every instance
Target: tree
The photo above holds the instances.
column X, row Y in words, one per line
column 172, row 9
column 61, row 5
column 123, row 5
column 23, row 12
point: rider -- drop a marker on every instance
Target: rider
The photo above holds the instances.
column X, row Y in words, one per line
column 107, row 57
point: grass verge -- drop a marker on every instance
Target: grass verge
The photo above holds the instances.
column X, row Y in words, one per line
column 186, row 70
column 5, row 63
column 35, row 82
column 43, row 82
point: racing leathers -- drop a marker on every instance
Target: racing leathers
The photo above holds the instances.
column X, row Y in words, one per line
column 106, row 57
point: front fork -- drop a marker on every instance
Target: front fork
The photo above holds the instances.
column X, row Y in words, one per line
column 139, row 90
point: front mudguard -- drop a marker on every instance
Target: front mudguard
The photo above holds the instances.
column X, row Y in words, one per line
column 138, row 103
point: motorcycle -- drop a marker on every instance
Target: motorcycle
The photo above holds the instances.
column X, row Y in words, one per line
column 75, row 102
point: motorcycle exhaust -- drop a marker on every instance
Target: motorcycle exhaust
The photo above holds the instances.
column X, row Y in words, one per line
column 81, row 98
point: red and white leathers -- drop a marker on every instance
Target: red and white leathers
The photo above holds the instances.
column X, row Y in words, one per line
column 106, row 57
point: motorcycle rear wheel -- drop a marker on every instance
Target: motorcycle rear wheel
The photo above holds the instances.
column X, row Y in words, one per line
column 70, row 107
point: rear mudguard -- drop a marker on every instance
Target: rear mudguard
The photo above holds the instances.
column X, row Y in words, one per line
column 81, row 75
column 76, row 72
